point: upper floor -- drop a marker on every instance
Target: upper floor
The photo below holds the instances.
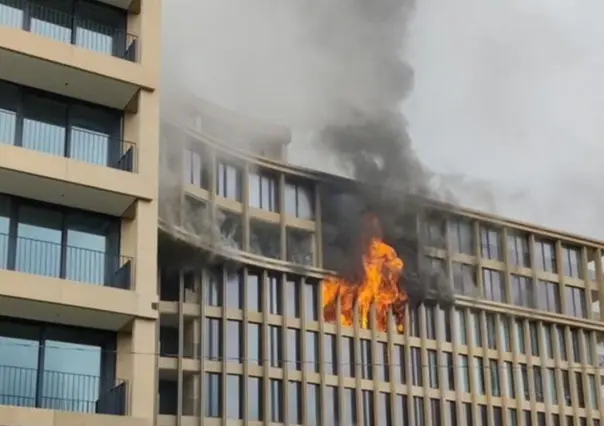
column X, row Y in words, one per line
column 86, row 49
column 261, row 210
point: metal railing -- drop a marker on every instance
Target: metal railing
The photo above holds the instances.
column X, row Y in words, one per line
column 69, row 28
column 69, row 142
column 66, row 262
column 55, row 390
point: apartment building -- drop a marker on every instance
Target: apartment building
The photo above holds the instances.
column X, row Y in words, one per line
column 243, row 332
column 79, row 147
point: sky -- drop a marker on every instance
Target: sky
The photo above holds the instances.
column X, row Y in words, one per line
column 504, row 106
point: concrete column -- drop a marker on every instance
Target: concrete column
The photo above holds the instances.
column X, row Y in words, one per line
column 136, row 363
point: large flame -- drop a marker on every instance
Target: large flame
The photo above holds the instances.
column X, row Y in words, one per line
column 379, row 286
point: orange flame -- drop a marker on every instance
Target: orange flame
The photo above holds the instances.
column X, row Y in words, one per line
column 379, row 287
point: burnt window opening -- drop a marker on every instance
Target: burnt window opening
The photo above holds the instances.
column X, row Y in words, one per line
column 264, row 191
column 265, row 239
column 195, row 216
column 300, row 247
column 230, row 229
column 435, row 232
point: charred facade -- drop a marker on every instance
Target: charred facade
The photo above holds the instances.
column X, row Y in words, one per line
column 502, row 324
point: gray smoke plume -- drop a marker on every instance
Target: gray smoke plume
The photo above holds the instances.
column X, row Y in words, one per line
column 331, row 69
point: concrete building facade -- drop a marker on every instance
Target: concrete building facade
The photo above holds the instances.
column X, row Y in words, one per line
column 243, row 338
column 79, row 148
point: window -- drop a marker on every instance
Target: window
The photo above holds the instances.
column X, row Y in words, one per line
column 195, row 169
column 366, row 360
column 254, row 344
column 313, row 404
column 331, row 402
column 545, row 255
column 432, row 369
column 300, row 246
column 461, row 236
column 571, row 262
column 350, row 407
column 464, row 373
column 275, row 346
column 231, row 229
column 518, row 250
column 4, row 229
column 330, row 357
column 228, row 181
column 58, row 242
column 294, row 356
column 448, row 370
column 553, row 388
column 299, row 200
column 255, row 292
column 59, row 367
column 461, row 327
column 234, row 402
column 312, row 351
column 213, row 398
column 435, row 411
column 294, row 402
column 233, row 290
column 213, row 339
column 509, row 379
column 416, row 367
column 535, row 340
column 311, row 300
column 538, row 381
column 561, row 339
column 276, row 401
column 400, row 365
column 493, row 285
column 418, row 409
column 382, row 364
column 479, row 375
column 490, row 243
column 575, row 302
column 476, row 327
column 264, row 191
column 548, row 296
column 255, row 406
column 234, row 337
column 275, row 295
column 494, row 371
column 520, row 335
column 464, row 278
column 292, row 297
column 63, row 127
column 521, row 291
column 435, row 233
column 348, row 355
column 265, row 239
column 368, row 408
column 384, row 410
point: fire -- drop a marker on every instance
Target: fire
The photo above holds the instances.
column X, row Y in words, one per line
column 379, row 286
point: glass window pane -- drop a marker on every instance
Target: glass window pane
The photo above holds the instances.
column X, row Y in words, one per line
column 44, row 125
column 18, row 366
column 71, row 379
column 39, row 241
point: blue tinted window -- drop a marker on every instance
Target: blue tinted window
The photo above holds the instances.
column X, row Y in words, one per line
column 44, row 125
column 87, row 247
column 39, row 241
column 71, row 378
column 4, row 229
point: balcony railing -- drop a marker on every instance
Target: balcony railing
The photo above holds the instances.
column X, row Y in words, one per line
column 66, row 262
column 78, row 144
column 55, row 390
column 68, row 28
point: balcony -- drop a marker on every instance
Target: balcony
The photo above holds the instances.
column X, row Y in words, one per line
column 70, row 28
column 65, row 262
column 55, row 390
column 82, row 48
column 69, row 142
